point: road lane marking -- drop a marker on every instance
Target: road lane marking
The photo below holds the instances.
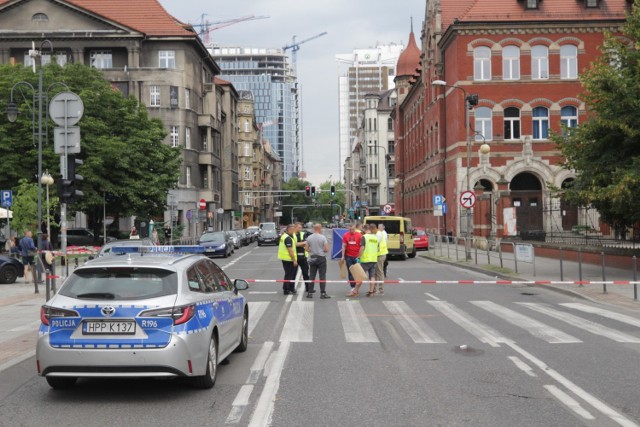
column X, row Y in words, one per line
column 569, row 402
column 522, row 366
column 575, row 389
column 355, row 323
column 472, row 325
column 264, row 408
column 299, row 324
column 238, row 259
column 298, row 284
column 259, row 362
column 416, row 328
column 604, row 313
column 256, row 310
column 531, row 325
column 263, row 292
column 239, row 404
column 433, row 297
column 582, row 323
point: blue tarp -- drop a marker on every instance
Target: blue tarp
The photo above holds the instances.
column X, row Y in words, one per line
column 336, row 248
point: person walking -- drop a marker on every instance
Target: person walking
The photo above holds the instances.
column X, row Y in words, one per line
column 28, row 249
column 301, row 254
column 134, row 233
column 383, row 250
column 318, row 249
column 287, row 254
column 154, row 237
column 47, row 258
column 350, row 250
column 368, row 256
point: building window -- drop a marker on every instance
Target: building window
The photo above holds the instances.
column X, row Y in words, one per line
column 511, row 63
column 511, row 123
column 247, row 126
column 187, row 138
column 167, row 59
column 482, row 63
column 187, row 175
column 375, row 124
column 389, row 124
column 247, row 173
column 61, row 59
column 592, row 3
column 187, row 98
column 155, row 96
column 532, row 4
column 569, row 117
column 40, row 17
column 483, row 124
column 540, row 123
column 247, row 149
column 101, row 59
column 539, row 62
column 568, row 62
column 175, row 136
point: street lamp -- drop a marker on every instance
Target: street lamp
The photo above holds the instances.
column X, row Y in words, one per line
column 386, row 166
column 47, row 180
column 469, row 101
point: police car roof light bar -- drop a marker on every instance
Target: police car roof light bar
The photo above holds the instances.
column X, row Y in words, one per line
column 193, row 249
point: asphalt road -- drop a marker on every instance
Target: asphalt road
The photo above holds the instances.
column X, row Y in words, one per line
column 394, row 360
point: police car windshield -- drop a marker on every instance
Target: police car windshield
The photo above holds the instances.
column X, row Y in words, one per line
column 121, row 283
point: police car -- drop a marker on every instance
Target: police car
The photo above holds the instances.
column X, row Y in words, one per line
column 157, row 311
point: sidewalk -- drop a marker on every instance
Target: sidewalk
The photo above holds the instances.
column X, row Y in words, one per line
column 546, row 269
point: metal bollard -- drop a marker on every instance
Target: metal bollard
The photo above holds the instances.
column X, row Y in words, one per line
column 580, row 266
column 488, row 253
column 500, row 255
column 448, row 248
column 635, row 278
column 604, row 276
column 561, row 268
column 475, row 251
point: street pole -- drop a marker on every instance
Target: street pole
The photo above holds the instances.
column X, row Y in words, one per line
column 467, row 107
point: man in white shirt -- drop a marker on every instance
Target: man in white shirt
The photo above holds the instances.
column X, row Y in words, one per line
column 318, row 248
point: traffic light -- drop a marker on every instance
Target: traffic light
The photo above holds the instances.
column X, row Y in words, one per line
column 313, row 191
column 333, row 190
column 67, row 188
column 307, row 190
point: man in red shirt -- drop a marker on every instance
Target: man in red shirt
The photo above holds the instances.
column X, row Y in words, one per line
column 351, row 250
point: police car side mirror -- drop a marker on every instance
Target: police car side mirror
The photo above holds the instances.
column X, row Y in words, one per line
column 241, row 285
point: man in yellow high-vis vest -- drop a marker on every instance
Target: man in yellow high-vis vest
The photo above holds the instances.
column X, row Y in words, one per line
column 382, row 258
column 369, row 255
column 287, row 254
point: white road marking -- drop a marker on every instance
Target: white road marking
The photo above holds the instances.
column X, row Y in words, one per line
column 416, row 328
column 299, row 324
column 263, row 292
column 472, row 325
column 604, row 313
column 582, row 323
column 289, row 298
column 531, row 325
column 575, row 389
column 256, row 310
column 433, row 297
column 569, row 402
column 357, row 327
column 259, row 363
column 264, row 408
column 238, row 259
column 400, row 279
column 29, row 326
column 522, row 366
column 298, row 285
column 239, row 404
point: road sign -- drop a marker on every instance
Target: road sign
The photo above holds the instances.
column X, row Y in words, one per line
column 202, row 204
column 438, row 199
column 7, row 198
column 66, row 107
column 437, row 210
column 387, row 209
column 467, row 199
column 444, row 208
column 70, row 138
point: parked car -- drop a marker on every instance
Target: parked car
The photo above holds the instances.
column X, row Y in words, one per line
column 216, row 243
column 268, row 237
column 83, row 237
column 234, row 238
column 244, row 240
column 251, row 237
column 254, row 230
column 10, row 269
column 420, row 238
column 106, row 249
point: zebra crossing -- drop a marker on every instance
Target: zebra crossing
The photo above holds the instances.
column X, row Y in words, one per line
column 358, row 318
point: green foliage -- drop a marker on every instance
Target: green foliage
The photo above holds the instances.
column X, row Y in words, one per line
column 311, row 212
column 122, row 149
column 605, row 150
column 25, row 207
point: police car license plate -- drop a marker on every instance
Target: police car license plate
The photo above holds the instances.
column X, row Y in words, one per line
column 109, row 327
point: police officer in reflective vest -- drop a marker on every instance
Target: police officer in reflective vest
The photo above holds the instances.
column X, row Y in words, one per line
column 287, row 254
column 303, row 254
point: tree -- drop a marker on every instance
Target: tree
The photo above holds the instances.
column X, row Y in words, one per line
column 124, row 156
column 604, row 151
column 25, row 207
column 296, row 198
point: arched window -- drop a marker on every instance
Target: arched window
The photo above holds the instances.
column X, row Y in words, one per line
column 540, row 123
column 569, row 62
column 389, row 124
column 539, row 62
column 569, row 117
column 511, row 123
column 511, row 63
column 483, row 124
column 40, row 17
column 482, row 63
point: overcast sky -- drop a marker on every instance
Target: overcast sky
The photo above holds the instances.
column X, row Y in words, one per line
column 351, row 24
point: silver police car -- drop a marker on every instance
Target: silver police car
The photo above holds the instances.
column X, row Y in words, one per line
column 155, row 312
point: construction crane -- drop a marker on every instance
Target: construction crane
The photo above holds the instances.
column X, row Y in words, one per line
column 295, row 47
column 206, row 27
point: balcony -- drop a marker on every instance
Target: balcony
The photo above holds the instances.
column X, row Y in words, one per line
column 207, row 121
column 205, row 158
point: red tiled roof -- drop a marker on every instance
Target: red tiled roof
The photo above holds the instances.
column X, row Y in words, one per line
column 409, row 59
column 145, row 16
column 548, row 10
column 219, row 81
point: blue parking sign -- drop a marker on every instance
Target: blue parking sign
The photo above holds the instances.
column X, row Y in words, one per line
column 7, row 198
column 438, row 199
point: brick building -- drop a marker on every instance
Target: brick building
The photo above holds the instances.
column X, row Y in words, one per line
column 523, row 60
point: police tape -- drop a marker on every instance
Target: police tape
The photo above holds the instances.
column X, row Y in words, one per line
column 465, row 282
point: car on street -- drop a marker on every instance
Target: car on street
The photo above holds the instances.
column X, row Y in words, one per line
column 107, row 249
column 216, row 243
column 159, row 312
column 420, row 239
column 83, row 237
column 254, row 230
column 235, row 239
column 10, row 269
column 268, row 237
column 242, row 235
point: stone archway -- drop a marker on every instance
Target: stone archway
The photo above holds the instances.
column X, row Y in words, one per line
column 526, row 196
column 568, row 210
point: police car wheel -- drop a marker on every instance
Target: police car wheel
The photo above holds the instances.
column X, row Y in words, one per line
column 8, row 274
column 244, row 335
column 61, row 383
column 209, row 378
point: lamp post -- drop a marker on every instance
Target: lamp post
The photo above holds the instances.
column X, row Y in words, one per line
column 47, row 180
column 386, row 166
column 469, row 101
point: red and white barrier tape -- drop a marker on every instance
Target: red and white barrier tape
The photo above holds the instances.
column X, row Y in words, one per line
column 471, row 282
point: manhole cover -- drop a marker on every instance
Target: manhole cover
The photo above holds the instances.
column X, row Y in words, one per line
column 467, row 350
